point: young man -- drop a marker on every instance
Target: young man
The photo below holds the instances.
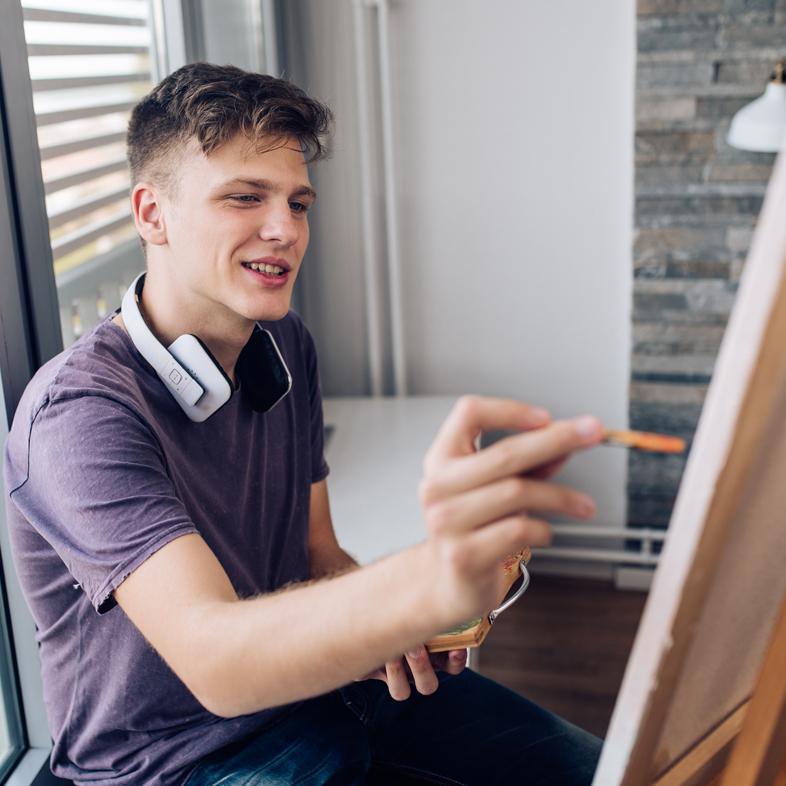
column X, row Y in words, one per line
column 167, row 562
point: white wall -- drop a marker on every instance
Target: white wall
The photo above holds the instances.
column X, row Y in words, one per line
column 233, row 32
column 514, row 148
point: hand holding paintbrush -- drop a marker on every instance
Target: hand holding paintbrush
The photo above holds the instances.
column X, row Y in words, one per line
column 472, row 633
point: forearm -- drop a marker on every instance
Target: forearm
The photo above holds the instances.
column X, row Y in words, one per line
column 311, row 639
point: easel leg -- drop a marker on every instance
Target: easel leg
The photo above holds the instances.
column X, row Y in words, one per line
column 759, row 751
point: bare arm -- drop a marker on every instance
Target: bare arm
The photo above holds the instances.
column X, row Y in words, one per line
column 325, row 554
column 240, row 656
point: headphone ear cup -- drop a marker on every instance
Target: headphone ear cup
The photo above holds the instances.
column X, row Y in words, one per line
column 186, row 390
column 264, row 374
column 194, row 356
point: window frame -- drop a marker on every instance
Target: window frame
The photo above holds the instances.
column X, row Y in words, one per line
column 34, row 256
column 30, row 336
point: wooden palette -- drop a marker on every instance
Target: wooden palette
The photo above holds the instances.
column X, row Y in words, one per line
column 473, row 632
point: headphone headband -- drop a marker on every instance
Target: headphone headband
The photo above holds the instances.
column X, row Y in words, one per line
column 186, row 390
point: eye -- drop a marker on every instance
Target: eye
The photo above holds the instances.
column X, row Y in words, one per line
column 298, row 207
column 245, row 199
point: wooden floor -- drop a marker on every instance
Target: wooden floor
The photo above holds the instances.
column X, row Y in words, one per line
column 564, row 645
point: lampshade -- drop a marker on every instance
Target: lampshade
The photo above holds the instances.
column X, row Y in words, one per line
column 761, row 125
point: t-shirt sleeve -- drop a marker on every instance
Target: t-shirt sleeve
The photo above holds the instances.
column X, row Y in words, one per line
column 319, row 466
column 96, row 488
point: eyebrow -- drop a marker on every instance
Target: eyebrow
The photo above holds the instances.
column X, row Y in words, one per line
column 267, row 185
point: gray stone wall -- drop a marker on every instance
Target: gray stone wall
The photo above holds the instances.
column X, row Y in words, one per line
column 697, row 199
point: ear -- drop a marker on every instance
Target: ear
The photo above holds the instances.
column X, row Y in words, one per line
column 149, row 213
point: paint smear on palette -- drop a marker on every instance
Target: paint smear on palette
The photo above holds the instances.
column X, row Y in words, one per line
column 464, row 626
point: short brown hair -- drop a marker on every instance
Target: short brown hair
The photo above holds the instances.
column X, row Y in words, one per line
column 212, row 104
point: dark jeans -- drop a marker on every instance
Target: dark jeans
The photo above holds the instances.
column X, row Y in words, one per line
column 472, row 731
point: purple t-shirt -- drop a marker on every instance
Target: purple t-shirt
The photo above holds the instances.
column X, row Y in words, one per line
column 102, row 468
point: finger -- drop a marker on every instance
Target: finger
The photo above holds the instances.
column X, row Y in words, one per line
column 515, row 455
column 472, row 415
column 426, row 680
column 456, row 661
column 510, row 496
column 549, row 470
column 478, row 557
column 489, row 546
column 519, row 454
column 398, row 684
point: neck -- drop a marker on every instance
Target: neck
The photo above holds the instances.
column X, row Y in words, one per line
column 169, row 315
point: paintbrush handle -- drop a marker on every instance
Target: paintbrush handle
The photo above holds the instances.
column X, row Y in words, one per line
column 644, row 440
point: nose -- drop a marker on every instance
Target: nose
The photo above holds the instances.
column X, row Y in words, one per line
column 279, row 225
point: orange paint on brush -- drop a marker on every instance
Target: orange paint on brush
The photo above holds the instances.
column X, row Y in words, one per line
column 644, row 440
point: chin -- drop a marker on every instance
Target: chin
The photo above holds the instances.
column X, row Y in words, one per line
column 269, row 314
column 260, row 306
column 271, row 317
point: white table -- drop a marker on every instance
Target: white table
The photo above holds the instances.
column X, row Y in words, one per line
column 376, row 454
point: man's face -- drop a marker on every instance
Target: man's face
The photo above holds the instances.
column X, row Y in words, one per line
column 237, row 229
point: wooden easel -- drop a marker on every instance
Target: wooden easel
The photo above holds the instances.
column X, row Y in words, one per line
column 749, row 747
column 703, row 701
column 759, row 754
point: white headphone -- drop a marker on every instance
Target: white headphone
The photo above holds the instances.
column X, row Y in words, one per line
column 194, row 377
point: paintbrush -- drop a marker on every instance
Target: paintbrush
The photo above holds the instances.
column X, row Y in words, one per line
column 644, row 440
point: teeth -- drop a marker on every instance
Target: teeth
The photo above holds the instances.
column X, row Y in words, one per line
column 271, row 269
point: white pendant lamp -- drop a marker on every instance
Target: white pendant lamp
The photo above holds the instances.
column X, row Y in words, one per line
column 761, row 125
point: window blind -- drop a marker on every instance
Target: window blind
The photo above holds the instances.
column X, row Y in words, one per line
column 90, row 62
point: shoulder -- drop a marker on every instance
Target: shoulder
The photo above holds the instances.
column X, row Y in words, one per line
column 95, row 381
column 100, row 363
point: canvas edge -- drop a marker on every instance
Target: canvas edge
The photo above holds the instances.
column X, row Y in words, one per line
column 736, row 362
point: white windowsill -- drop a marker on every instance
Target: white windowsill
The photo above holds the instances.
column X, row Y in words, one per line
column 29, row 766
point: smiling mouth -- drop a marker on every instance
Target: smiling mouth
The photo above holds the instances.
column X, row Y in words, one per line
column 271, row 270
